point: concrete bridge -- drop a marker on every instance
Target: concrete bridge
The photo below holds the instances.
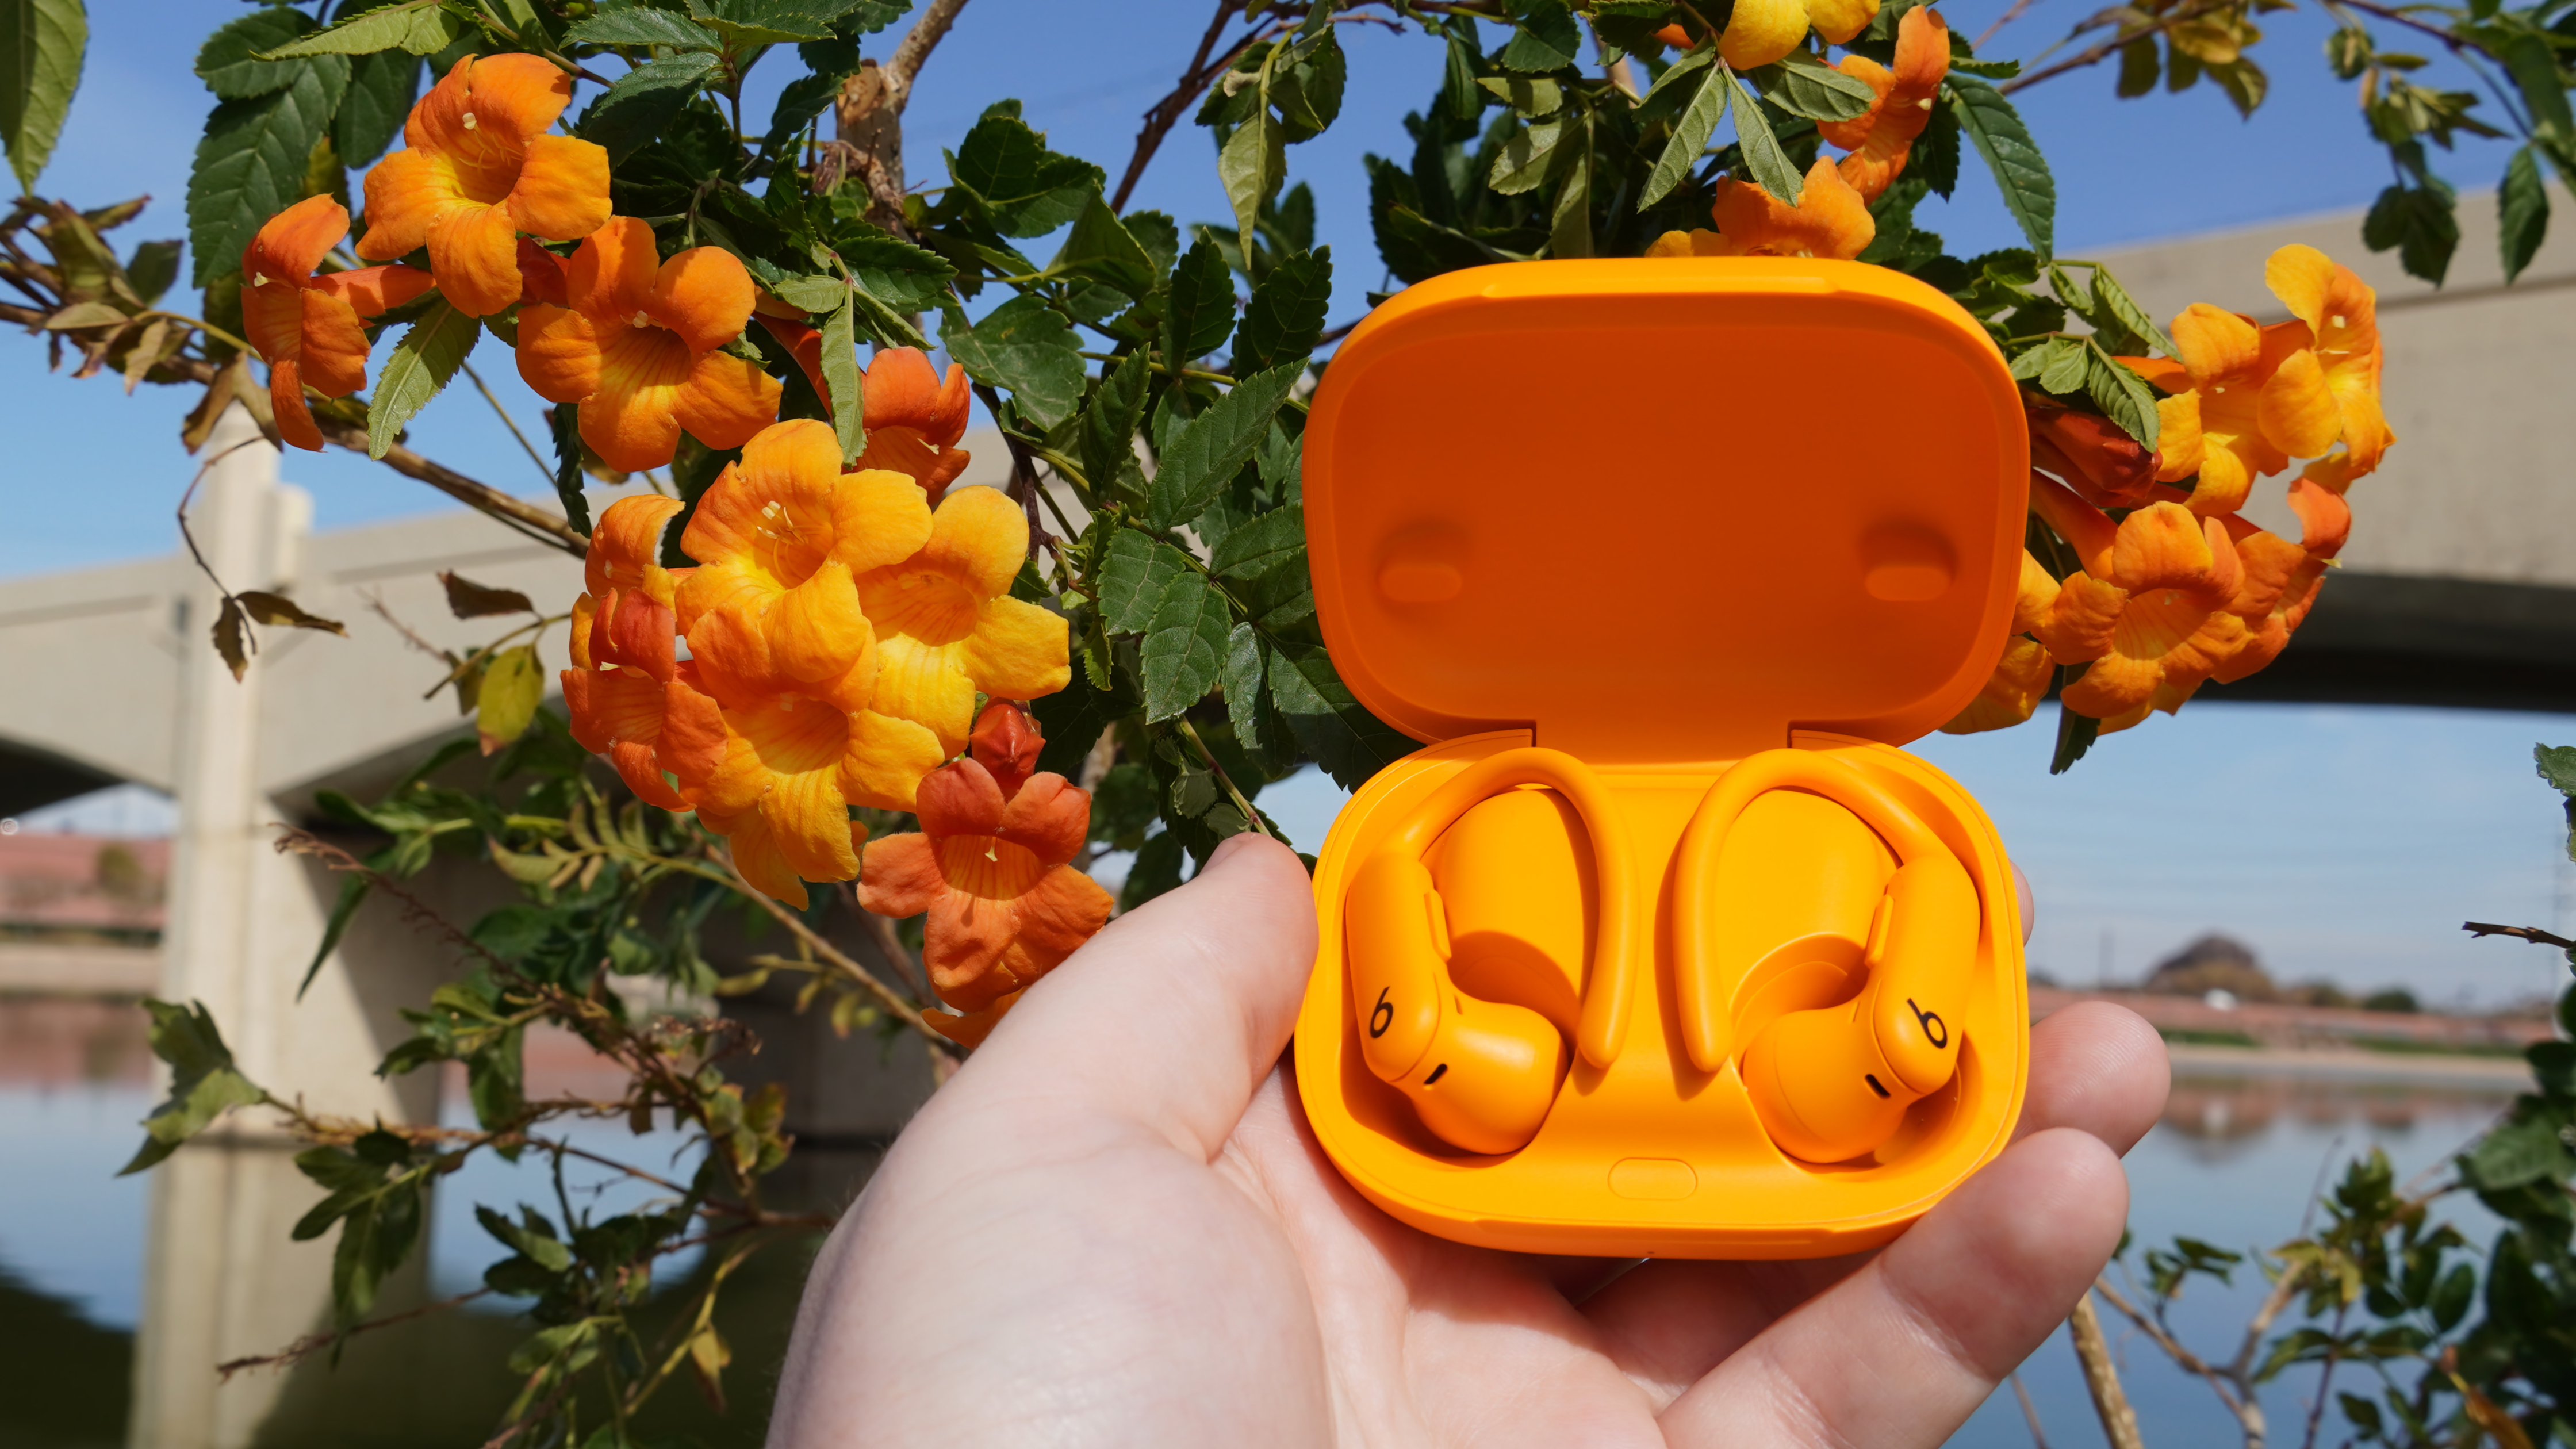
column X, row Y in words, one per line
column 2459, row 588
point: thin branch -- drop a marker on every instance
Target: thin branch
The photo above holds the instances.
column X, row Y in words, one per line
column 1195, row 79
column 2007, row 18
column 509, row 422
column 2029, row 1412
column 915, row 48
column 2110, row 1401
column 312, row 1343
column 2533, row 934
column 884, row 995
column 1250, row 815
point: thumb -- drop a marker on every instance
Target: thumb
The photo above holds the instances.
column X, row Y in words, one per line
column 1172, row 1015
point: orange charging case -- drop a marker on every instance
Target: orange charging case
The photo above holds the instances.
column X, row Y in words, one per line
column 1662, row 514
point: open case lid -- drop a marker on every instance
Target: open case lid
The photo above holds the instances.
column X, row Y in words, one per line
column 1664, row 510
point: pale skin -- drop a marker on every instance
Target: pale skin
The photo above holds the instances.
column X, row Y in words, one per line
column 1113, row 1227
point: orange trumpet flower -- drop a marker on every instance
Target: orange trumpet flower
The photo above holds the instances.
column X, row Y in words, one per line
column 477, row 169
column 307, row 326
column 636, row 347
column 990, row 867
column 1830, row 220
column 628, row 698
column 2343, row 316
column 1880, row 138
column 948, row 628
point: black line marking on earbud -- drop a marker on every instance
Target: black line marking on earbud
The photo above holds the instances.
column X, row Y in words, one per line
column 1438, row 1071
column 1872, row 1079
column 1933, row 1026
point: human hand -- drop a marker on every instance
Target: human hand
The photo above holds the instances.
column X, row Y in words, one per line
column 1114, row 1227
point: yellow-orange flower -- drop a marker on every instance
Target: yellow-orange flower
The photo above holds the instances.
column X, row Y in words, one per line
column 478, row 167
column 947, row 627
column 2343, row 317
column 915, row 418
column 2089, row 453
column 1759, row 32
column 307, row 326
column 1880, row 138
column 636, row 347
column 629, row 699
column 991, row 872
column 1830, row 220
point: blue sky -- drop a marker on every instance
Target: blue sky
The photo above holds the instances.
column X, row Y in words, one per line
column 2342, row 842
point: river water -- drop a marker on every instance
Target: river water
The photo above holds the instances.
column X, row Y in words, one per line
column 2234, row 1162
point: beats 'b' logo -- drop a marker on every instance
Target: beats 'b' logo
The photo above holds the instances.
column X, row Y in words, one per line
column 1382, row 1015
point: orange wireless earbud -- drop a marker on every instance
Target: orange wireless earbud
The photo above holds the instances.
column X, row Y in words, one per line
column 1833, row 1083
column 1482, row 1074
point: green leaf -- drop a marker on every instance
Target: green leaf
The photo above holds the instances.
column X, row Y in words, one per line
column 152, row 268
column 2020, row 172
column 636, row 25
column 768, row 22
column 1308, row 92
column 2522, row 213
column 1244, row 696
column 203, row 1081
column 2066, row 367
column 1691, row 131
column 1803, row 85
column 2557, row 765
column 1527, row 96
column 1026, row 348
column 1026, row 189
column 892, row 270
column 514, row 684
column 2126, row 311
column 1526, row 158
column 423, row 362
column 1199, row 314
column 1108, row 436
column 1546, row 38
column 1133, row 578
column 567, row 438
column 1100, row 248
column 840, row 368
column 1251, row 167
column 1668, row 94
column 228, row 62
column 1762, row 154
column 41, row 46
column 1349, row 742
column 2534, row 65
column 1185, row 645
column 353, row 894
column 419, row 27
column 251, row 165
column 1205, row 455
column 2420, row 222
column 2046, row 356
column 1570, row 221
column 643, row 101
column 382, row 88
column 2139, row 67
column 2524, row 1148
column 2121, row 394
column 1261, row 545
column 1286, row 313
column 2075, row 732
column 799, row 102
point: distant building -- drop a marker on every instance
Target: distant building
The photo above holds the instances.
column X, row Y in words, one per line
column 2215, row 962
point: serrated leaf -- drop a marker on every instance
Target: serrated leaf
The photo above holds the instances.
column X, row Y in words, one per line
column 1251, row 166
column 2125, row 310
column 1206, row 453
column 2522, row 213
column 230, row 64
column 42, row 43
column 251, row 165
column 841, row 378
column 1673, row 89
column 1350, row 743
column 1761, row 145
column 1570, row 221
column 1286, row 313
column 1185, row 645
column 1526, row 158
column 1025, row 188
column 1244, row 692
column 204, row 1083
column 1109, row 422
column 636, row 25
column 382, row 88
column 1198, row 315
column 1803, row 85
column 1525, row 95
column 768, row 22
column 2065, row 369
column 421, row 366
column 1547, row 38
column 2121, row 394
column 1132, row 580
column 2020, row 172
column 892, row 270
column 419, row 27
column 566, row 421
column 513, row 684
column 1025, row 347
column 1262, row 544
column 152, row 268
column 643, row 101
column 2557, row 765
column 1099, row 247
column 2420, row 222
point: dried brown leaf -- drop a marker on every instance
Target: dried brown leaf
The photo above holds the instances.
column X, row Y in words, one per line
column 470, row 600
column 270, row 608
column 229, row 641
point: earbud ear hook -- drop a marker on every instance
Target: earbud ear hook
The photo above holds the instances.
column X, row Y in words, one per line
column 1609, row 989
column 1415, row 1026
column 1853, row 1069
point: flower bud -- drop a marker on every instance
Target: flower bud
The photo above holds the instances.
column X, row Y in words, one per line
column 2104, row 465
column 1006, row 742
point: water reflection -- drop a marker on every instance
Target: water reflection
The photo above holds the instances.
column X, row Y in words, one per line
column 2235, row 1161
